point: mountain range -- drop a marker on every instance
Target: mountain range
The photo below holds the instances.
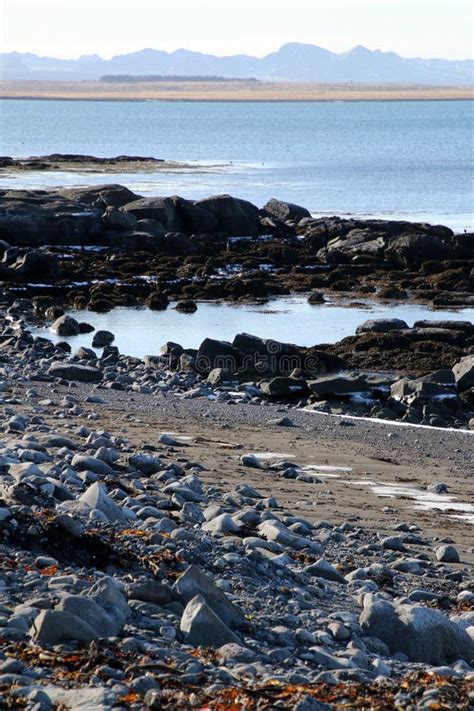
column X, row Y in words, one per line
column 292, row 62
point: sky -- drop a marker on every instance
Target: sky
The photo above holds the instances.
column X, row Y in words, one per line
column 69, row 28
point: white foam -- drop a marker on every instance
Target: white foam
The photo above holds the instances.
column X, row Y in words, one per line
column 392, row 423
column 271, row 455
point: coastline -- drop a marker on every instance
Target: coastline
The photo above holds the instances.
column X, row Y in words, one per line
column 233, row 92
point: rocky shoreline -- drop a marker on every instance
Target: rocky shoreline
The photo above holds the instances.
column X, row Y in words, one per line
column 80, row 163
column 261, row 554
column 97, row 248
column 143, row 568
column 136, row 249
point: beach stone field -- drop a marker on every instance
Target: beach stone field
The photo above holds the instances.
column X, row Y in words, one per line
column 245, row 525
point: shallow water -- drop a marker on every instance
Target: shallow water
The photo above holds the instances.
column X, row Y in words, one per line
column 404, row 160
column 140, row 332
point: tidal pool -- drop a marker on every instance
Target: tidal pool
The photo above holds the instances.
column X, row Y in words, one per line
column 139, row 331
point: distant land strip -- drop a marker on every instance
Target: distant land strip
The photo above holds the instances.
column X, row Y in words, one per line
column 246, row 90
column 147, row 78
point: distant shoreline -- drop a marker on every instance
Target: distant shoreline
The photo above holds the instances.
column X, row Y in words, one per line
column 244, row 91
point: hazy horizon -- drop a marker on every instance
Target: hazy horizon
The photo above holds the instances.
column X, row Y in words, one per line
column 418, row 29
column 222, row 55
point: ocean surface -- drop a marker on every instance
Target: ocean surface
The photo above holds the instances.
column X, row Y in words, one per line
column 140, row 332
column 404, row 160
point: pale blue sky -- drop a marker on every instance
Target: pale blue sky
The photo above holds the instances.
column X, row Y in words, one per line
column 68, row 28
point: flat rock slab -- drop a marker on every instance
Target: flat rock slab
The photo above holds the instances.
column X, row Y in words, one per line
column 70, row 371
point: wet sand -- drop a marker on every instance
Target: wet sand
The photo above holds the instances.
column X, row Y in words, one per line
column 216, row 435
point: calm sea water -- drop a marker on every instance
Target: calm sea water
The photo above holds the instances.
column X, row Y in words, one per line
column 140, row 332
column 408, row 160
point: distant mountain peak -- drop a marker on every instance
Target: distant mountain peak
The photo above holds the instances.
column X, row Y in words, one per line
column 294, row 61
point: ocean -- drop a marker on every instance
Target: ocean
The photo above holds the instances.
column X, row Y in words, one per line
column 402, row 160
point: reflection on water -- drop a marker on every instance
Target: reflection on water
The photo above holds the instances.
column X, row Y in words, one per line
column 140, row 332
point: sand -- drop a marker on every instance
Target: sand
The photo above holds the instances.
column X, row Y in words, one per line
column 230, row 91
column 216, row 435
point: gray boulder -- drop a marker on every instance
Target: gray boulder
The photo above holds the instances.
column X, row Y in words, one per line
column 73, row 371
column 52, row 627
column 219, row 376
column 119, row 219
column 358, row 244
column 423, row 634
column 101, row 196
column 100, row 613
column 30, row 217
column 83, row 353
column 203, row 627
column 194, row 582
column 162, row 209
column 37, row 266
column 145, row 463
column 464, row 373
column 235, row 217
column 82, row 462
column 284, row 211
column 65, row 326
column 334, row 385
column 416, row 248
column 447, row 554
column 96, row 498
column 323, row 569
column 382, row 325
column 107, row 592
column 102, row 339
column 283, row 387
column 214, row 354
column 88, row 610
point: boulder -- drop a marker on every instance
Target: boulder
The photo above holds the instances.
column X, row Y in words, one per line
column 33, row 217
column 85, row 354
column 283, row 387
column 186, row 306
column 65, row 326
column 413, row 249
column 119, row 219
column 217, row 354
column 336, row 385
column 162, row 209
column 284, row 211
column 316, row 298
column 102, row 339
column 37, row 266
column 235, row 217
column 146, row 463
column 219, row 376
column 72, row 371
column 357, row 244
column 157, row 301
column 382, row 325
column 194, row 582
column 53, row 627
column 96, row 498
column 423, row 634
column 97, row 614
column 465, row 326
column 108, row 593
column 447, row 554
column 203, row 627
column 464, row 373
column 82, row 462
column 407, row 390
column 89, row 611
column 101, row 196
column 323, row 569
column 196, row 219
